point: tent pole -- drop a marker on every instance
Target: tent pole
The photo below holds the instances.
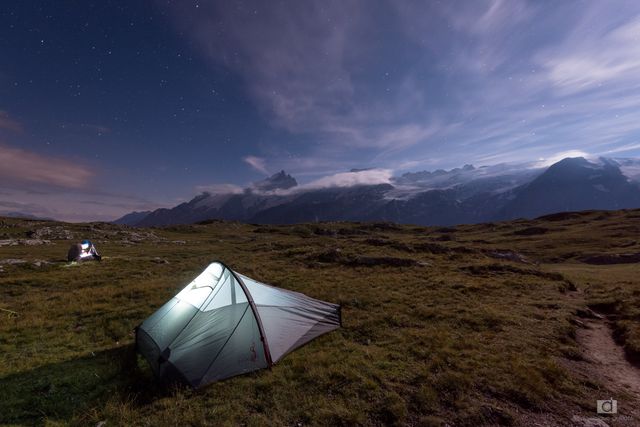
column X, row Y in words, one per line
column 252, row 304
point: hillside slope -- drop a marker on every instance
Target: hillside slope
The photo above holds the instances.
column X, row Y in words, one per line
column 473, row 325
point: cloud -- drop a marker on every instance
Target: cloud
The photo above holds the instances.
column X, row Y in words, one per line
column 559, row 156
column 624, row 148
column 25, row 166
column 220, row 189
column 351, row 179
column 257, row 163
column 602, row 55
column 290, row 54
column 8, row 123
column 342, row 180
column 304, row 65
column 74, row 205
column 34, row 209
column 460, row 82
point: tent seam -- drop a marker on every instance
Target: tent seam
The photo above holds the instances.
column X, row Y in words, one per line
column 225, row 343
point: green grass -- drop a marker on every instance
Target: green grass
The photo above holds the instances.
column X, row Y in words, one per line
column 436, row 330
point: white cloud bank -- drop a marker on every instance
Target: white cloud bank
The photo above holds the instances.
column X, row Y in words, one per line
column 349, row 179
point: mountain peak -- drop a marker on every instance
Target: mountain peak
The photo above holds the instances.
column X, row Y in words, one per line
column 277, row 181
column 576, row 161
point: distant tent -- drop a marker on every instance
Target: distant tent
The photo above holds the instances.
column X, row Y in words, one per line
column 84, row 251
column 224, row 324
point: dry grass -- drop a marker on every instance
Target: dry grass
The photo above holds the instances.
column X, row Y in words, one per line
column 439, row 325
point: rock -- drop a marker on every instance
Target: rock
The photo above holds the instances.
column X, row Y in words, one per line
column 159, row 260
column 35, row 242
column 508, row 255
column 27, row 242
column 12, row 261
column 55, row 233
column 40, row 263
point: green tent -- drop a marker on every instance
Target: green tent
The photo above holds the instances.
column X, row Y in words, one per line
column 224, row 324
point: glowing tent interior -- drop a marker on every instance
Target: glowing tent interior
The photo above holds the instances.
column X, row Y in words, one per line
column 224, row 324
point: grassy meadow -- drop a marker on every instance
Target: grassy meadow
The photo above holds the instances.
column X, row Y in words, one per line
column 469, row 325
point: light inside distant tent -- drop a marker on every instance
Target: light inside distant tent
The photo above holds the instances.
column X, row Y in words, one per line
column 86, row 251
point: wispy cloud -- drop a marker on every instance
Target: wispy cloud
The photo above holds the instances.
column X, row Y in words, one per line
column 460, row 82
column 301, row 63
column 624, row 148
column 220, row 189
column 602, row 55
column 73, row 205
column 257, row 163
column 21, row 165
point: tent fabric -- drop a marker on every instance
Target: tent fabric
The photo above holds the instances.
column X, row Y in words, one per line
column 289, row 316
column 224, row 324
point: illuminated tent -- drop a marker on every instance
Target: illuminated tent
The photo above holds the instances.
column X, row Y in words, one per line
column 84, row 251
column 224, row 324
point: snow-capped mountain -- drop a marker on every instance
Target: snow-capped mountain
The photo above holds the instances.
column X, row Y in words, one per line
column 460, row 195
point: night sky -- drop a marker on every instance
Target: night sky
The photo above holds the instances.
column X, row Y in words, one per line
column 108, row 107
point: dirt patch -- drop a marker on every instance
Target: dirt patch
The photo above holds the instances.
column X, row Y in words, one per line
column 531, row 231
column 335, row 255
column 604, row 362
column 432, row 248
column 380, row 226
column 368, row 261
column 563, row 216
column 389, row 243
column 492, row 269
column 445, row 230
column 606, row 259
column 436, row 248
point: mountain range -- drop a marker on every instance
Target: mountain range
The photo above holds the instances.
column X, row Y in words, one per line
column 440, row 197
